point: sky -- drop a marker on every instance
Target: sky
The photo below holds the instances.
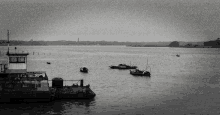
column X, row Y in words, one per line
column 110, row 20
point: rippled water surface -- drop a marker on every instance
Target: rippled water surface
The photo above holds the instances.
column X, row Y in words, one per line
column 188, row 84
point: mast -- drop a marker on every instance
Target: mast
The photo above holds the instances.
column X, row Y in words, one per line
column 8, row 40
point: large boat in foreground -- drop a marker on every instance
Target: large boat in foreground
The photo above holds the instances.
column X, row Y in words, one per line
column 17, row 84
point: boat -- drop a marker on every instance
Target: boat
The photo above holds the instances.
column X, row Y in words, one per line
column 48, row 62
column 17, row 84
column 74, row 91
column 123, row 66
column 138, row 72
column 177, row 55
column 84, row 70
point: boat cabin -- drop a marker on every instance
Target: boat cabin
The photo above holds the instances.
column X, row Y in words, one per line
column 14, row 75
column 17, row 63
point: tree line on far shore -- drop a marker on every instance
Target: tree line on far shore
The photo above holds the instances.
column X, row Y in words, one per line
column 211, row 44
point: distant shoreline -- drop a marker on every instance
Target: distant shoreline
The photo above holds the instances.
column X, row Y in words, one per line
column 175, row 47
column 118, row 46
column 176, row 44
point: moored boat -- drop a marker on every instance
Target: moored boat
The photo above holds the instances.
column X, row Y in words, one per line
column 123, row 66
column 138, row 72
column 84, row 70
column 71, row 92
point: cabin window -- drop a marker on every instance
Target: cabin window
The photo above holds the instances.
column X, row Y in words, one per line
column 13, row 59
column 21, row 60
column 17, row 59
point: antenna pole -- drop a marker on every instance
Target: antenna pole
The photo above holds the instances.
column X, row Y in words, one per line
column 8, row 40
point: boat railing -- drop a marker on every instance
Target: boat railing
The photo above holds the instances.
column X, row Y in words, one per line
column 78, row 83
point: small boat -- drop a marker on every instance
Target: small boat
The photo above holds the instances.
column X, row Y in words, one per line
column 177, row 55
column 123, row 66
column 138, row 72
column 84, row 70
column 48, row 62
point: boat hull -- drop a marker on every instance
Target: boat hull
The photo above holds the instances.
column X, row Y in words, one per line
column 85, row 71
column 118, row 67
column 27, row 96
column 69, row 92
column 140, row 74
column 74, row 96
column 135, row 74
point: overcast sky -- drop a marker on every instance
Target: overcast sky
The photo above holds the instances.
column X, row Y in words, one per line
column 111, row 20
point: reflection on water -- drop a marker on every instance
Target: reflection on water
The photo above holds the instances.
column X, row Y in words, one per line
column 56, row 107
column 72, row 106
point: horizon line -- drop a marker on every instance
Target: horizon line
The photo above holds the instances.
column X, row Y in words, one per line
column 103, row 41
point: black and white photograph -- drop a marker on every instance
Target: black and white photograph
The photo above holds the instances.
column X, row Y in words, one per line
column 109, row 57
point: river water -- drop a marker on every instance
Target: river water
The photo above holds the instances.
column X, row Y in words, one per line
column 188, row 84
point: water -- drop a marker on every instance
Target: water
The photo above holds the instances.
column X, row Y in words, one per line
column 188, row 84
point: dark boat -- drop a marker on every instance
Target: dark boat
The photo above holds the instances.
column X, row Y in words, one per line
column 177, row 55
column 138, row 72
column 84, row 70
column 123, row 66
column 17, row 84
column 48, row 62
column 71, row 92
